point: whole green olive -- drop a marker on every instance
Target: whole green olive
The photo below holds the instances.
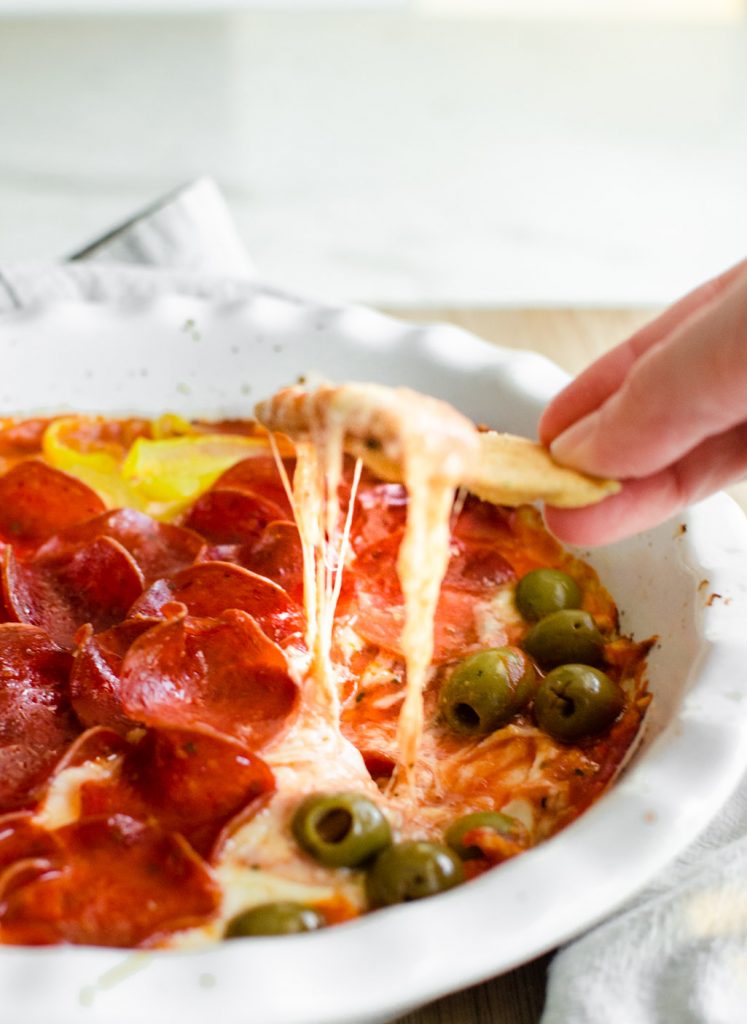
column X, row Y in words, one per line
column 544, row 591
column 566, row 636
column 486, row 690
column 410, row 871
column 502, row 824
column 576, row 701
column 340, row 829
column 281, row 918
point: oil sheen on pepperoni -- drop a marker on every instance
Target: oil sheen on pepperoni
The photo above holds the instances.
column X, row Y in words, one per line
column 159, row 549
column 189, row 782
column 220, row 675
column 259, row 475
column 228, row 515
column 37, row 501
column 95, row 583
column 114, row 881
column 210, row 588
column 36, row 721
column 94, row 681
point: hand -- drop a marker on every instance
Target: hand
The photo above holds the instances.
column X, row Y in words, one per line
column 665, row 412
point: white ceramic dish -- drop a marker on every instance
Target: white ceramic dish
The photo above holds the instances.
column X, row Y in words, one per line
column 192, row 357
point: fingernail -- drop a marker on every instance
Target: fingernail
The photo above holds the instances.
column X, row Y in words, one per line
column 575, row 446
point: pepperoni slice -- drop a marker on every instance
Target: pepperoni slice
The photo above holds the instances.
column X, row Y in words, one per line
column 21, row 438
column 115, row 882
column 36, row 722
column 37, row 501
column 380, row 511
column 96, row 584
column 191, row 783
column 259, row 475
column 276, row 554
column 480, row 521
column 20, row 839
column 231, row 516
column 475, row 571
column 214, row 675
column 476, row 568
column 94, row 682
column 159, row 549
column 210, row 588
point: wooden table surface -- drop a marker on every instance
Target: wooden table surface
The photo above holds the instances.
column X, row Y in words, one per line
column 572, row 338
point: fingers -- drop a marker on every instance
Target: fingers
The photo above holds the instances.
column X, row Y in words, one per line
column 648, row 501
column 591, row 388
column 690, row 386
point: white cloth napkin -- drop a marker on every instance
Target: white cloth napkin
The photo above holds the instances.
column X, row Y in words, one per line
column 185, row 243
column 677, row 953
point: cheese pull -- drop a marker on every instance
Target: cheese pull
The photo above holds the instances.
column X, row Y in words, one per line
column 432, row 449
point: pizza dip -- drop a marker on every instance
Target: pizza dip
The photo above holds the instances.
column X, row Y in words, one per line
column 261, row 677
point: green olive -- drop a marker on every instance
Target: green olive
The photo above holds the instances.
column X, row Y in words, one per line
column 486, row 690
column 493, row 820
column 543, row 591
column 340, row 829
column 410, row 871
column 565, row 636
column 576, row 701
column 282, row 918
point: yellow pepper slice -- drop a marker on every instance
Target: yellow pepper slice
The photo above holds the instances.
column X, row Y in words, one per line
column 181, row 468
column 100, row 469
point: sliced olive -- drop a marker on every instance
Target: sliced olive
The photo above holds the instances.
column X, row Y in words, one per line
column 576, row 701
column 486, row 690
column 502, row 824
column 544, row 591
column 340, row 829
column 565, row 636
column 410, row 871
column 282, row 918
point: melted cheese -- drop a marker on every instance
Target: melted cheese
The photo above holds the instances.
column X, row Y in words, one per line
column 435, row 447
column 61, row 804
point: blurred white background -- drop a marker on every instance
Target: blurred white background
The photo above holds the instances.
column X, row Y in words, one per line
column 444, row 152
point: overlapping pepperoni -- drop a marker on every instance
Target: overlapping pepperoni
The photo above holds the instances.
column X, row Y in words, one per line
column 210, row 588
column 275, row 554
column 260, row 475
column 189, row 782
column 475, row 570
column 94, row 682
column 95, row 583
column 37, row 501
column 159, row 549
column 217, row 675
column 113, row 881
column 229, row 515
column 36, row 721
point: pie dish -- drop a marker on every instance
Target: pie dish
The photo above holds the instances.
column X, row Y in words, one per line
column 680, row 581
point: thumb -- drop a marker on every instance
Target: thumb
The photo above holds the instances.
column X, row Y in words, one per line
column 690, row 387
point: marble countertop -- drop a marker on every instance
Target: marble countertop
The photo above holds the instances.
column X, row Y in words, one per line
column 390, row 158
